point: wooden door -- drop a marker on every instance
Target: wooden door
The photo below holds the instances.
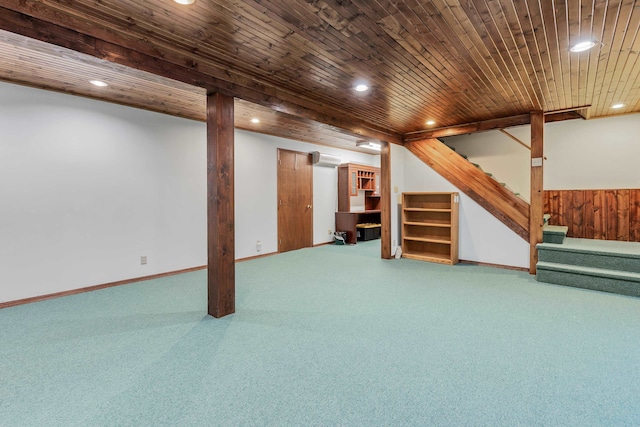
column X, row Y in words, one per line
column 295, row 200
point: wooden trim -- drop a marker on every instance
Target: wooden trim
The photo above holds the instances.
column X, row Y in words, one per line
column 536, row 221
column 97, row 287
column 54, row 295
column 515, row 139
column 220, row 205
column 591, row 189
column 487, row 264
column 250, row 258
column 317, row 245
column 385, row 201
column 124, row 282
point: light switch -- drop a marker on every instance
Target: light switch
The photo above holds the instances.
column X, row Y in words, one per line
column 395, row 188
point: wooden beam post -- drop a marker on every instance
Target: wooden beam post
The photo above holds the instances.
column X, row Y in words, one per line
column 536, row 213
column 220, row 205
column 385, row 201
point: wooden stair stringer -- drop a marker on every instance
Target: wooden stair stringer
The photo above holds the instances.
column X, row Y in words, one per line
column 484, row 190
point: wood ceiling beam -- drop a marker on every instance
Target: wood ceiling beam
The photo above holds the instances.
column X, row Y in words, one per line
column 567, row 110
column 559, row 117
column 502, row 123
column 198, row 74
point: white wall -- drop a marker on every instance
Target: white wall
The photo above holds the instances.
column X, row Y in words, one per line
column 482, row 238
column 580, row 154
column 256, row 190
column 593, row 154
column 87, row 188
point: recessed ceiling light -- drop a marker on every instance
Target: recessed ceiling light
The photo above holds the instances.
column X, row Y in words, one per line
column 255, row 120
column 430, row 122
column 98, row 83
column 185, row 1
column 582, row 46
column 617, row 106
column 361, row 87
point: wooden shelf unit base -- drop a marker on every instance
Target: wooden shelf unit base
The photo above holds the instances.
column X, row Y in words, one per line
column 441, row 259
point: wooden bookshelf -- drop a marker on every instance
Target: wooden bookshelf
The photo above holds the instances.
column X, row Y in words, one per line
column 430, row 227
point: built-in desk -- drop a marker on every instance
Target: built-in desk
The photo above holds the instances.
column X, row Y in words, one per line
column 347, row 221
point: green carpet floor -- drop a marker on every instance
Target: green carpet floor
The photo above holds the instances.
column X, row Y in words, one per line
column 330, row 336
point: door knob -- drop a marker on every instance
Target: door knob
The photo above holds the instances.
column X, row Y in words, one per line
column 308, row 206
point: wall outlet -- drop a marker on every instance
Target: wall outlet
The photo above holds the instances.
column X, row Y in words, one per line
column 330, row 232
column 258, row 245
column 143, row 260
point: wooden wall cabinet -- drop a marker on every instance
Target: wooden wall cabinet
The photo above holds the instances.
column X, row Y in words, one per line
column 430, row 227
column 353, row 178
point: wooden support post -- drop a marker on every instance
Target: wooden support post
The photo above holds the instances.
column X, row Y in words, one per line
column 385, row 200
column 220, row 205
column 536, row 213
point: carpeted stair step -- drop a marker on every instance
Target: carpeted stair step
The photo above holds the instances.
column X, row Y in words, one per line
column 607, row 254
column 554, row 234
column 489, row 174
column 597, row 279
column 464, row 156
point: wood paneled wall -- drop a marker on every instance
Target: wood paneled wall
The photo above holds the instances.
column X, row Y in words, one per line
column 596, row 214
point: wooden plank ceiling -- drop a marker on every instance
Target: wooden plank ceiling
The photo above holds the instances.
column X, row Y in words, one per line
column 450, row 61
column 43, row 65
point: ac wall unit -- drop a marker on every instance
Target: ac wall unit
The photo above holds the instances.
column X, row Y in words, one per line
column 321, row 159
